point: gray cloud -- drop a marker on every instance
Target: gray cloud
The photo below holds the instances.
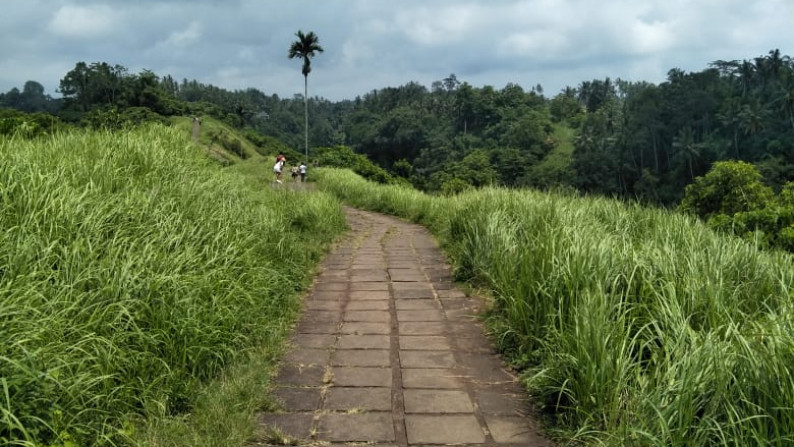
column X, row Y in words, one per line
column 373, row 44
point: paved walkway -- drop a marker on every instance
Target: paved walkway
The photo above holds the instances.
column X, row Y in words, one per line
column 387, row 353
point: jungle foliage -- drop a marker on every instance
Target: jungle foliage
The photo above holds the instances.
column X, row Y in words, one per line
column 633, row 140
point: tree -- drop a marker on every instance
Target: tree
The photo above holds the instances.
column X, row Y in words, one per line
column 10, row 99
column 729, row 188
column 786, row 98
column 99, row 84
column 564, row 107
column 400, row 134
column 687, row 148
column 74, row 86
column 475, row 169
column 305, row 48
column 33, row 98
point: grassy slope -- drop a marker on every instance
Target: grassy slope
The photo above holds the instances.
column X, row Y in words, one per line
column 215, row 136
column 554, row 169
column 559, row 159
column 212, row 132
column 637, row 326
column 139, row 278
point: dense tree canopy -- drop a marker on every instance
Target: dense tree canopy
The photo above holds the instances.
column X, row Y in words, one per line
column 30, row 99
column 627, row 139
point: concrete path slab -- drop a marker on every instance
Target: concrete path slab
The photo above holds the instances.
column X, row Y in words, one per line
column 353, row 341
column 424, row 343
column 431, row 378
column 389, row 353
column 350, row 376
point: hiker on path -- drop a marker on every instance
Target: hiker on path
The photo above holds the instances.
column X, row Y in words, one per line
column 302, row 170
column 294, row 171
column 279, row 166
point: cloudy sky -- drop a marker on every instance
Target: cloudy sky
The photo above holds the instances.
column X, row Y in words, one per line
column 369, row 44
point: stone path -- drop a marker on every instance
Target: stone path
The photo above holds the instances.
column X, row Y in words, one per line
column 387, row 353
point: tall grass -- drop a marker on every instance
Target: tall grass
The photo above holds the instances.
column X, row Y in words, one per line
column 131, row 271
column 635, row 326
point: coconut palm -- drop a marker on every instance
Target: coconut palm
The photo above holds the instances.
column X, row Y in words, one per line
column 687, row 148
column 305, row 48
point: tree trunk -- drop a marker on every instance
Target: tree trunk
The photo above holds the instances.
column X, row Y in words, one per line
column 736, row 141
column 655, row 154
column 306, row 116
column 791, row 117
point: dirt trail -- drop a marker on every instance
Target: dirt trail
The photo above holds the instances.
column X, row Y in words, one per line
column 387, row 353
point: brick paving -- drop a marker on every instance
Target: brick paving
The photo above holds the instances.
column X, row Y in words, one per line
column 388, row 353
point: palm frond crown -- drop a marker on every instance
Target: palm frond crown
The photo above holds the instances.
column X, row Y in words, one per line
column 305, row 48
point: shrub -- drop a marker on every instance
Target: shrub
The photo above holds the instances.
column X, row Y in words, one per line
column 28, row 125
column 344, row 157
column 732, row 199
column 730, row 187
column 454, row 186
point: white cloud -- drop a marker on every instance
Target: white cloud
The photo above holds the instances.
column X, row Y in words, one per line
column 650, row 69
column 355, row 52
column 545, row 13
column 228, row 73
column 246, row 54
column 435, row 27
column 187, row 36
column 373, row 44
column 542, row 44
column 83, row 21
column 648, row 38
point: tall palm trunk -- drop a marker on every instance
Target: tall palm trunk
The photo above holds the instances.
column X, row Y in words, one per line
column 306, row 116
column 304, row 48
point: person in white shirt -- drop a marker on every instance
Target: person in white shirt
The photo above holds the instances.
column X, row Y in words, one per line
column 302, row 169
column 277, row 168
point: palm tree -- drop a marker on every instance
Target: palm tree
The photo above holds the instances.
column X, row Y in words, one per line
column 752, row 117
column 687, row 148
column 305, row 48
column 786, row 97
column 730, row 118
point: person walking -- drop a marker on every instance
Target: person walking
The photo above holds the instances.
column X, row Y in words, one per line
column 278, row 167
column 302, row 170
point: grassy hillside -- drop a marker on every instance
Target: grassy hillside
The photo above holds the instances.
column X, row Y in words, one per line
column 555, row 168
column 633, row 326
column 133, row 271
column 222, row 142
